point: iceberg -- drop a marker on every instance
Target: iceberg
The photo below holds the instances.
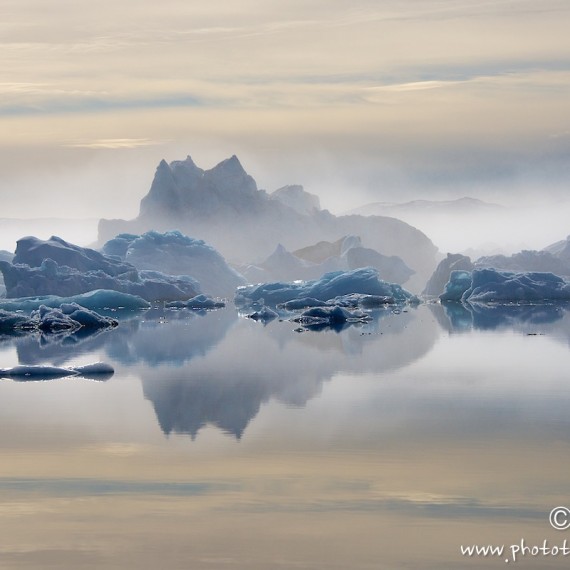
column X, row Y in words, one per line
column 560, row 249
column 297, row 198
column 324, row 257
column 335, row 284
column 56, row 267
column 352, row 300
column 459, row 282
column 453, row 262
column 68, row 317
column 10, row 321
column 32, row 251
column 173, row 253
column 302, row 303
column 200, row 302
column 224, row 207
column 490, row 285
column 95, row 300
column 4, row 256
column 263, row 314
column 526, row 260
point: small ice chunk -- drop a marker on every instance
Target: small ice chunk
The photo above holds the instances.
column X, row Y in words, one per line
column 14, row 321
column 264, row 314
column 330, row 315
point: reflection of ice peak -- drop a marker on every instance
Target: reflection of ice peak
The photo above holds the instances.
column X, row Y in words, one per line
column 184, row 406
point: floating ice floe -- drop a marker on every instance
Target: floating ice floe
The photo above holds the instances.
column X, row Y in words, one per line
column 263, row 314
column 490, row 285
column 363, row 281
column 67, row 317
column 95, row 371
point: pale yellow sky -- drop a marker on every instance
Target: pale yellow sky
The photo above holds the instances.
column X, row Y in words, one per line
column 383, row 100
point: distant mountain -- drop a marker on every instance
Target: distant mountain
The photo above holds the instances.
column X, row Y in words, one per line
column 224, row 207
column 461, row 206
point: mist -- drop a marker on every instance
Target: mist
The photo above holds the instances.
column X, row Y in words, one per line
column 70, row 188
column 358, row 103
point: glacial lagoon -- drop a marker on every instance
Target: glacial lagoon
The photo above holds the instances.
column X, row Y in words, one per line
column 224, row 443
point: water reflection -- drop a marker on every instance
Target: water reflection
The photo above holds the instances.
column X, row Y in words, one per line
column 36, row 348
column 213, row 368
column 200, row 369
column 168, row 337
column 396, row 427
column 255, row 364
column 458, row 317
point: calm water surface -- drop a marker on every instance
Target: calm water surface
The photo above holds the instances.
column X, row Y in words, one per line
column 221, row 443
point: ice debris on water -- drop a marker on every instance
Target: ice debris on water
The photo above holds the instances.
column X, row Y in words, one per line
column 66, row 317
column 330, row 315
column 263, row 314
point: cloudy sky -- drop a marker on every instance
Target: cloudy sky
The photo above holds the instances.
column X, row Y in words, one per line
column 359, row 101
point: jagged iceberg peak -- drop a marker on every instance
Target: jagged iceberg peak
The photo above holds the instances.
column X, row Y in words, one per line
column 182, row 187
column 230, row 165
column 296, row 197
column 229, row 177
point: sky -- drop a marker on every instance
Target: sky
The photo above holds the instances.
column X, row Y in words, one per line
column 359, row 101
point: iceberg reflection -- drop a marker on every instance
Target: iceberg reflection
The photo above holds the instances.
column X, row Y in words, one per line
column 253, row 365
column 457, row 317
